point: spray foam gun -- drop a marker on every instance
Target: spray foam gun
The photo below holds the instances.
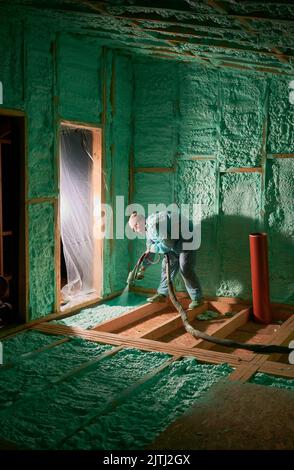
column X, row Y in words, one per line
column 136, row 273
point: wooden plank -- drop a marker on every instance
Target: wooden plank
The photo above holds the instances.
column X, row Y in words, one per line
column 154, row 170
column 283, row 335
column 130, row 317
column 281, row 155
column 97, row 197
column 245, row 372
column 277, row 368
column 173, row 324
column 243, row 170
column 5, row 141
column 241, row 21
column 212, row 357
column 225, row 329
column 40, row 200
column 57, row 256
column 197, row 157
column 9, row 332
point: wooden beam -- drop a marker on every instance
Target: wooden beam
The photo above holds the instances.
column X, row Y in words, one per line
column 57, row 255
column 154, row 170
column 212, row 357
column 279, row 55
column 278, row 369
column 245, row 372
column 9, row 332
column 281, row 155
column 224, row 329
column 172, row 324
column 243, row 170
column 161, row 15
column 96, row 199
column 130, row 317
column 197, row 157
column 40, row 200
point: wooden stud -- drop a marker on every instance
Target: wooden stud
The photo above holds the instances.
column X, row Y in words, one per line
column 97, row 191
column 281, row 155
column 243, row 170
column 154, row 170
column 57, row 255
column 40, row 200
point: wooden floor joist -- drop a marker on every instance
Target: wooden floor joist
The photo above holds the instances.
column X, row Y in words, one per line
column 245, row 372
column 152, row 327
column 212, row 357
column 130, row 317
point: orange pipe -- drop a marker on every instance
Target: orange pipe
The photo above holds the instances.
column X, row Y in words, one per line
column 260, row 277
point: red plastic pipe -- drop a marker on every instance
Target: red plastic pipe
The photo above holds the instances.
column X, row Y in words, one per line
column 260, row 277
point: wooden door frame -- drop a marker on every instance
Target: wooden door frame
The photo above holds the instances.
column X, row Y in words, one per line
column 23, row 265
column 99, row 187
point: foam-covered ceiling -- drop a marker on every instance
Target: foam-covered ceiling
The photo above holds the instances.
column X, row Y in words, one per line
column 247, row 34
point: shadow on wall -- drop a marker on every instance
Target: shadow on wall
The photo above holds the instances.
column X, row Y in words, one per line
column 224, row 258
column 223, row 261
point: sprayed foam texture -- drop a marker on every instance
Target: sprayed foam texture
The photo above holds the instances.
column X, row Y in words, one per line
column 48, row 401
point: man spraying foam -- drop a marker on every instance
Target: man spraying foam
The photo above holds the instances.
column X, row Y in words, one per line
column 164, row 234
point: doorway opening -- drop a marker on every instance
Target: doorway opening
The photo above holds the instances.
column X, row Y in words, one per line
column 80, row 195
column 13, row 303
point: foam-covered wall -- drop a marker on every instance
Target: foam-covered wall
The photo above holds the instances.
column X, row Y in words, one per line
column 197, row 123
column 223, row 136
column 54, row 74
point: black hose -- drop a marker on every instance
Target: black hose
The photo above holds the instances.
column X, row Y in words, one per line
column 257, row 348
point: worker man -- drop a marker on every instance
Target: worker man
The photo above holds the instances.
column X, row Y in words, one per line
column 159, row 239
